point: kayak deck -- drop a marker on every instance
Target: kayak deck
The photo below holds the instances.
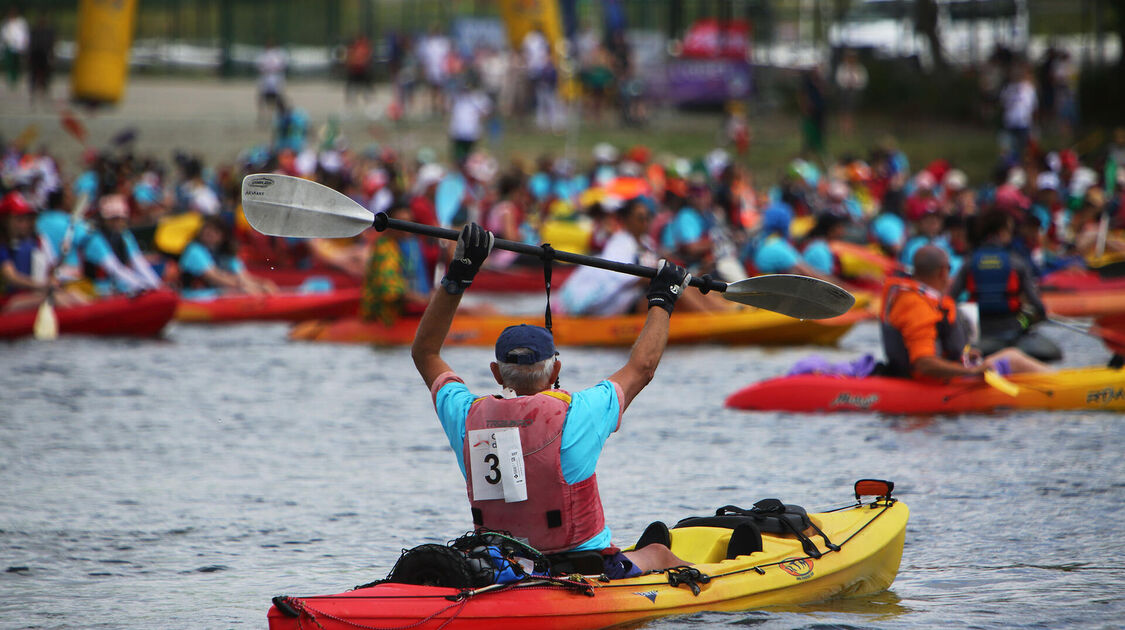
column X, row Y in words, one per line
column 870, row 538
column 1087, row 389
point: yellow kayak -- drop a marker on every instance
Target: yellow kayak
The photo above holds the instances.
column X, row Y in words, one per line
column 856, row 551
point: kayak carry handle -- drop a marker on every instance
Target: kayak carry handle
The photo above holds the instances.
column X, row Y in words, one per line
column 873, row 488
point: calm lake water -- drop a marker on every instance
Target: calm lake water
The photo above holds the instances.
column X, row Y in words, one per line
column 183, row 482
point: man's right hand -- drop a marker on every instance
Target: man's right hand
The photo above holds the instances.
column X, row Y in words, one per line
column 667, row 285
column 473, row 245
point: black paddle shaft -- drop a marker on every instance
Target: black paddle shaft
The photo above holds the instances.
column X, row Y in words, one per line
column 382, row 222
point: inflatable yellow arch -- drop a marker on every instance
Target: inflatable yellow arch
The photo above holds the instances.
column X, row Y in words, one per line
column 105, row 34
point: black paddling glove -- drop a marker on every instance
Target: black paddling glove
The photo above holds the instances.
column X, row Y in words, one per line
column 667, row 285
column 473, row 245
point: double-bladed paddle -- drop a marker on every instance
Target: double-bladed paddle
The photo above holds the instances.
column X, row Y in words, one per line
column 281, row 205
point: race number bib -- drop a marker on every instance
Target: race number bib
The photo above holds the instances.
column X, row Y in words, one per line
column 496, row 465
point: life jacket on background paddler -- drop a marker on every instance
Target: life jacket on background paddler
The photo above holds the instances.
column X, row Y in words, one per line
column 556, row 516
column 951, row 336
column 992, row 282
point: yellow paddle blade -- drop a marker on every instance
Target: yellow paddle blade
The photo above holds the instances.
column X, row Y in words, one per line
column 174, row 232
column 46, row 327
column 1001, row 384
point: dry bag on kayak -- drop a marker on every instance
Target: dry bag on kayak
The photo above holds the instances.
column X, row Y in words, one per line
column 474, row 560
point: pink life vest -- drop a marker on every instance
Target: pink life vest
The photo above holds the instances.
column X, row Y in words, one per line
column 556, row 516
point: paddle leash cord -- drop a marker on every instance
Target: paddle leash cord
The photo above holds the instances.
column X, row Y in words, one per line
column 547, row 256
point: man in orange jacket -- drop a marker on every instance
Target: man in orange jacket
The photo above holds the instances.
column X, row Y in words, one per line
column 921, row 333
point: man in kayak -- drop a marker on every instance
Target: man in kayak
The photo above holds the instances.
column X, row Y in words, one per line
column 529, row 458
column 922, row 336
column 1003, row 286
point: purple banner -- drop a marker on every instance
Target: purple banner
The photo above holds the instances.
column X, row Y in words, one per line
column 707, row 80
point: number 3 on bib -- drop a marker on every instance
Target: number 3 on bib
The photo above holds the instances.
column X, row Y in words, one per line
column 496, row 465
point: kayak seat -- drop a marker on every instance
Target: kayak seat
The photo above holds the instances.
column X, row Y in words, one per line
column 745, row 539
column 656, row 532
column 768, row 521
column 581, row 562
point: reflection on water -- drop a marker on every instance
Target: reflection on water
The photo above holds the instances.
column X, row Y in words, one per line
column 182, row 483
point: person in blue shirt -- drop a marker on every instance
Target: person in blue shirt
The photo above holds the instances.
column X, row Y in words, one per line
column 25, row 273
column 209, row 265
column 930, row 226
column 111, row 258
column 817, row 252
column 559, row 436
column 52, row 224
column 774, row 253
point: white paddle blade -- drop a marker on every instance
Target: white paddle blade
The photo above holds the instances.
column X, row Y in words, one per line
column 281, row 205
column 801, row 297
column 46, row 327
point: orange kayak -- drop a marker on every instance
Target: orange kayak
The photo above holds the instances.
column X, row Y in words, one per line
column 741, row 327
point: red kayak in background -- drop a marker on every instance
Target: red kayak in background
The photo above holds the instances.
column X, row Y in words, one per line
column 1085, row 280
column 291, row 277
column 143, row 315
column 1111, row 328
column 279, row 307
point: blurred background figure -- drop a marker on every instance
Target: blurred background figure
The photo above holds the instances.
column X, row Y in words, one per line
column 272, row 64
column 15, row 38
column 41, row 58
column 357, row 69
column 851, row 80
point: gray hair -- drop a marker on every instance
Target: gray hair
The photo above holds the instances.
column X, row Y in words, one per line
column 528, row 376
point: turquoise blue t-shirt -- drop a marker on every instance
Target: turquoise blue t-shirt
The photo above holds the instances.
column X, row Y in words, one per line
column 53, row 224
column 776, row 255
column 889, row 229
column 819, row 255
column 197, row 260
column 96, row 249
column 918, row 242
column 686, row 227
column 592, row 417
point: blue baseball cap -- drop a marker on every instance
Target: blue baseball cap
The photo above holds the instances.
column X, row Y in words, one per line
column 535, row 338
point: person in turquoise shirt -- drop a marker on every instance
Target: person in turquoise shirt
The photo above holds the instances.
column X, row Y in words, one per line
column 930, row 227
column 111, row 258
column 209, row 265
column 775, row 254
column 527, row 366
column 817, row 252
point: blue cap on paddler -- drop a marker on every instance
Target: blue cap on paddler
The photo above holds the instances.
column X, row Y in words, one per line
column 537, row 340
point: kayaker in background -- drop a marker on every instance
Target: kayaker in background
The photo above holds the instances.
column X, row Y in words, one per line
column 397, row 279
column 549, row 494
column 775, row 253
column 111, row 258
column 25, row 273
column 209, row 265
column 1003, row 286
column 922, row 336
column 593, row 291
